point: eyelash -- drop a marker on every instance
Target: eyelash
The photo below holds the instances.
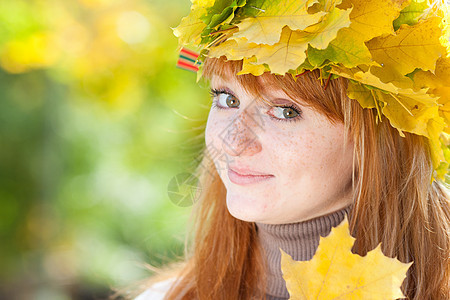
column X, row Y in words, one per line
column 217, row 92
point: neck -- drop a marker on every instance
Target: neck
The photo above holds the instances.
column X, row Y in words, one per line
column 299, row 240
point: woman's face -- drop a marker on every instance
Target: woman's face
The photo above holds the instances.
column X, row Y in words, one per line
column 308, row 167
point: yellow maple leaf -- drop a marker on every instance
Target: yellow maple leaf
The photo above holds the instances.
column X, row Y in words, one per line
column 411, row 47
column 250, row 66
column 231, row 48
column 289, row 52
column 191, row 26
column 405, row 112
column 285, row 55
column 336, row 273
column 393, row 77
column 322, row 33
column 407, row 109
column 438, row 147
column 445, row 26
column 203, row 3
column 439, row 86
column 369, row 18
column 265, row 28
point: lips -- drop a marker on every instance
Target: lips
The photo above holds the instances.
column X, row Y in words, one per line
column 247, row 171
column 250, row 176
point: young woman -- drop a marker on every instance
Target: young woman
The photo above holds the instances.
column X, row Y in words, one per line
column 288, row 156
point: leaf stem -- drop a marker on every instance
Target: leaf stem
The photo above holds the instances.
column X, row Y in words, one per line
column 223, row 30
column 301, row 74
column 328, row 81
column 375, row 98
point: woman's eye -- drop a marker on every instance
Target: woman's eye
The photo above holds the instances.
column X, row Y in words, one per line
column 285, row 113
column 227, row 100
column 224, row 100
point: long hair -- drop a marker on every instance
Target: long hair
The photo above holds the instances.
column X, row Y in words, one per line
column 394, row 202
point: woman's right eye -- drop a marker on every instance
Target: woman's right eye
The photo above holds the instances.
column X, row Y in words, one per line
column 223, row 100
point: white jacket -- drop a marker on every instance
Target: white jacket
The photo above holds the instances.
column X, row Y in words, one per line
column 157, row 291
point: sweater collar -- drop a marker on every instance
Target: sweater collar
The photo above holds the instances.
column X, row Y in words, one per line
column 299, row 240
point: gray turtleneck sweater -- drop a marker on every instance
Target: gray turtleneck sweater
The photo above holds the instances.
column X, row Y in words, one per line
column 299, row 240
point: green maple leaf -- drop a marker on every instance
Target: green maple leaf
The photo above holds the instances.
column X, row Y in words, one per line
column 219, row 17
column 221, row 12
column 410, row 14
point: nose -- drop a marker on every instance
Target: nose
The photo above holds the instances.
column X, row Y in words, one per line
column 240, row 137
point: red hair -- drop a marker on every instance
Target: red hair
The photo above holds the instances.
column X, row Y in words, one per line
column 394, row 203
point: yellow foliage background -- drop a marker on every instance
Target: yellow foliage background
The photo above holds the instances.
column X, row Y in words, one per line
column 95, row 121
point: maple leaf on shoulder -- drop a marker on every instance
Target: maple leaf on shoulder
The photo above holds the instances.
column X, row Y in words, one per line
column 336, row 273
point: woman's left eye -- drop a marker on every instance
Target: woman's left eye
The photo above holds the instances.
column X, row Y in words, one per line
column 285, row 113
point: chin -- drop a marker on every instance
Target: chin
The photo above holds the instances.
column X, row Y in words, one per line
column 249, row 209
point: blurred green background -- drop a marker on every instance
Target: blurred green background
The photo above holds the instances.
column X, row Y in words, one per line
column 95, row 120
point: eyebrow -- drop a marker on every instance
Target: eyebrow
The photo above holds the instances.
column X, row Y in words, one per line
column 280, row 101
column 227, row 90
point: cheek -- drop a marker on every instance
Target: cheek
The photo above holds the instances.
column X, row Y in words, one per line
column 293, row 151
column 308, row 154
column 214, row 143
column 212, row 130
